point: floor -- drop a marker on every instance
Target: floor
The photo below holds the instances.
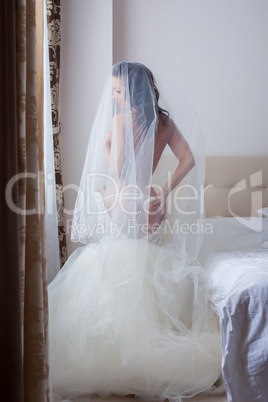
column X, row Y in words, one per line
column 129, row 398
column 219, row 395
column 210, row 398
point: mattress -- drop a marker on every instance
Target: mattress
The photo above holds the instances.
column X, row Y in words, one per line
column 235, row 256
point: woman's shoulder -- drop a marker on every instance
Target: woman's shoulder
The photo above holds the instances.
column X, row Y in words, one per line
column 166, row 120
column 119, row 117
column 119, row 120
column 166, row 125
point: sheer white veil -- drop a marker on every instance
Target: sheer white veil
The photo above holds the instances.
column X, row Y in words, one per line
column 184, row 226
column 119, row 159
column 116, row 186
column 117, row 177
column 132, row 296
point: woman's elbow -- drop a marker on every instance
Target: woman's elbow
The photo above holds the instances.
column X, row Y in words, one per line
column 190, row 161
column 192, row 164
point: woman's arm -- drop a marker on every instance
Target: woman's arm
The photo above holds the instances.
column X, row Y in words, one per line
column 114, row 146
column 182, row 151
column 107, row 147
column 186, row 162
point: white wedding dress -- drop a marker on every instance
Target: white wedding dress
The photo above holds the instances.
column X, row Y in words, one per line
column 127, row 312
column 150, row 333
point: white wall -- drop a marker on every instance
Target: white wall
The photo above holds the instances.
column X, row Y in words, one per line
column 216, row 54
column 86, row 58
column 213, row 51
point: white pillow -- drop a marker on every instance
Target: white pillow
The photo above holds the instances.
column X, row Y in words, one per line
column 263, row 212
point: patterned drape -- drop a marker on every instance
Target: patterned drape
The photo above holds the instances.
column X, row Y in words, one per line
column 53, row 25
column 24, row 317
column 31, row 193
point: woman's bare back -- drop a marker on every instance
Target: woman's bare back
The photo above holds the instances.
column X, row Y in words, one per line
column 162, row 137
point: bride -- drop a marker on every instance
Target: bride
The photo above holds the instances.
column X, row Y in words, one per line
column 128, row 313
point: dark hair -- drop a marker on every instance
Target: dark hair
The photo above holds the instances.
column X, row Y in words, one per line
column 138, row 78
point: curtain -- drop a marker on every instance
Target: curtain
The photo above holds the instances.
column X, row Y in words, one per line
column 24, row 304
column 11, row 378
column 51, row 213
column 53, row 26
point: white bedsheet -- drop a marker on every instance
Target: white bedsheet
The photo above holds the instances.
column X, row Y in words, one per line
column 236, row 260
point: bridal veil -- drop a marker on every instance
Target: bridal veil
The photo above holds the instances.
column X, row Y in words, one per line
column 128, row 313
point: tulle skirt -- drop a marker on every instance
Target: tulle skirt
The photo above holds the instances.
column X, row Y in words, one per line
column 126, row 318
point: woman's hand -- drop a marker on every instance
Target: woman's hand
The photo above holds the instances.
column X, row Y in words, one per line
column 156, row 208
column 160, row 203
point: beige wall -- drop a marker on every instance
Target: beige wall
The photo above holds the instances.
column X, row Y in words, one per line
column 86, row 59
column 213, row 51
column 216, row 54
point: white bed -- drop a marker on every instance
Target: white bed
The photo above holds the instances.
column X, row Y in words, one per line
column 236, row 260
column 235, row 256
